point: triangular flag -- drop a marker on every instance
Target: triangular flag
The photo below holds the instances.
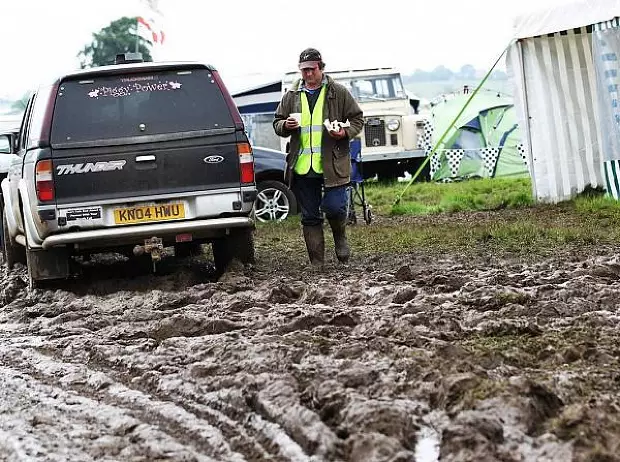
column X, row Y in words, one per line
column 150, row 22
column 148, row 28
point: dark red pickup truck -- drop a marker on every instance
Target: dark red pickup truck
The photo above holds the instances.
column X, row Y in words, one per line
column 129, row 158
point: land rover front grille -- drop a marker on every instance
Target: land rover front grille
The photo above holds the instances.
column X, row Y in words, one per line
column 374, row 129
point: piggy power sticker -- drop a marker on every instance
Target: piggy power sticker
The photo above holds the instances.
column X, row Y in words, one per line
column 129, row 86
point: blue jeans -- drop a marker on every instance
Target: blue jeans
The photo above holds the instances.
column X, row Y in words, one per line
column 314, row 200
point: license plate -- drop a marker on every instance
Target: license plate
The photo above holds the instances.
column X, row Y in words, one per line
column 147, row 213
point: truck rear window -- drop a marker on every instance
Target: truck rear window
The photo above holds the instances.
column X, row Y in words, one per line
column 138, row 104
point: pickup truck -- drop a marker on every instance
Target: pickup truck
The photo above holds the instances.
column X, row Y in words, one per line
column 129, row 158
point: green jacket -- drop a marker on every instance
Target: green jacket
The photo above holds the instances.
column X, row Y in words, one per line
column 339, row 105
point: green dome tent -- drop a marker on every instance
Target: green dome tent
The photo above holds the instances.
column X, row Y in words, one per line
column 485, row 142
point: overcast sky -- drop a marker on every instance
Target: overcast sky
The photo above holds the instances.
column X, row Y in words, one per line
column 245, row 39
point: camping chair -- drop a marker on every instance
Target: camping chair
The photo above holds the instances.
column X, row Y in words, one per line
column 356, row 195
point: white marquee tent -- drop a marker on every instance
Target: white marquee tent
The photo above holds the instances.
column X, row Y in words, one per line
column 567, row 97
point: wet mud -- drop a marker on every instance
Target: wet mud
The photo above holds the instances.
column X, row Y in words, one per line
column 408, row 358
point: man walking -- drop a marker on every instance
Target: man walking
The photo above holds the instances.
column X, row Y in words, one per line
column 318, row 162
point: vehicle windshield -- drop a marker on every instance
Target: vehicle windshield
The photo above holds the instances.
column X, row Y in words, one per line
column 374, row 88
column 138, row 104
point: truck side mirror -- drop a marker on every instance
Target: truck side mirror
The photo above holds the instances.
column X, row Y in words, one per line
column 6, row 144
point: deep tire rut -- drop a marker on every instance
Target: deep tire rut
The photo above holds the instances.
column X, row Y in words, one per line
column 197, row 426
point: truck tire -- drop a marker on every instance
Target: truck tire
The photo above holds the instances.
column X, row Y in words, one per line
column 186, row 249
column 238, row 245
column 13, row 253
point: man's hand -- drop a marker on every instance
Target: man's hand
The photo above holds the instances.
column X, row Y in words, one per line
column 338, row 134
column 291, row 123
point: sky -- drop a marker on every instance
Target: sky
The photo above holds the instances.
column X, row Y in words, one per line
column 250, row 41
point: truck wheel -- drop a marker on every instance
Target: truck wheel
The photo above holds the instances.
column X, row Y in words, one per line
column 186, row 249
column 238, row 245
column 13, row 253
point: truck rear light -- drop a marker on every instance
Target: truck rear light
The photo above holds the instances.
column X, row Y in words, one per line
column 44, row 181
column 246, row 162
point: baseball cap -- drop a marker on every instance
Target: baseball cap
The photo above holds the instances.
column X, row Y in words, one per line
column 309, row 58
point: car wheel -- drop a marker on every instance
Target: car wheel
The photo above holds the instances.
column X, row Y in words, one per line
column 274, row 202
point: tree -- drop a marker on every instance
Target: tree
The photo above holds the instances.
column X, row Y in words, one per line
column 119, row 37
column 467, row 72
column 418, row 76
column 19, row 106
column 442, row 73
column 499, row 75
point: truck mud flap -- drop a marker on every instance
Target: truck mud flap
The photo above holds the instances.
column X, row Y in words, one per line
column 48, row 264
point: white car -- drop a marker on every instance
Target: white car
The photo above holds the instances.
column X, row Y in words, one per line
column 8, row 134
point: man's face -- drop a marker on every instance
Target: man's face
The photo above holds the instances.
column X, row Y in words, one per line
column 313, row 76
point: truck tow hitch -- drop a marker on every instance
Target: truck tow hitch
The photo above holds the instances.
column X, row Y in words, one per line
column 153, row 246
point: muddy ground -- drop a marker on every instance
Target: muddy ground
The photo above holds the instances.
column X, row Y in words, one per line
column 395, row 358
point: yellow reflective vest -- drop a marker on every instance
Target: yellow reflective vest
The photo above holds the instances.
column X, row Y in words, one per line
column 311, row 135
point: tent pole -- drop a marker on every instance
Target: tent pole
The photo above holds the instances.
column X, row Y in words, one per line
column 445, row 133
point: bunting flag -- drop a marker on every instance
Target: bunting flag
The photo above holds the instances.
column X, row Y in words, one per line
column 606, row 55
column 153, row 6
column 149, row 29
column 149, row 23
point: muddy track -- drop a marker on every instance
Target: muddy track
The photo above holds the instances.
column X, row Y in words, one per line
column 400, row 359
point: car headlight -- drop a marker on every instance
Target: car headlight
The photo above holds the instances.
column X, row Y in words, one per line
column 393, row 125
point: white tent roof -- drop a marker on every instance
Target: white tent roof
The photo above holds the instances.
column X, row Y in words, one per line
column 565, row 17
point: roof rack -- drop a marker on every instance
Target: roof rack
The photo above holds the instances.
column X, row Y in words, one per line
column 129, row 57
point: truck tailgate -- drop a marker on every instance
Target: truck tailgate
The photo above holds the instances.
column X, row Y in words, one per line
column 135, row 172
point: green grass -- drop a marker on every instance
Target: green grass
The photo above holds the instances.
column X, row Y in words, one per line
column 477, row 217
column 432, row 198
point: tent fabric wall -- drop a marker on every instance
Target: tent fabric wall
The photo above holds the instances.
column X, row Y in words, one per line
column 606, row 39
column 556, row 98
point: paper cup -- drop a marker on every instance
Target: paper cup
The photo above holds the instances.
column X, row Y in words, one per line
column 296, row 116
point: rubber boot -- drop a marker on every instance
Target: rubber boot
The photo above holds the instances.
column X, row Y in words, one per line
column 315, row 244
column 340, row 239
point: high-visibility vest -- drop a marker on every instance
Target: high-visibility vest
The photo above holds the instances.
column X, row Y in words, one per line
column 311, row 135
